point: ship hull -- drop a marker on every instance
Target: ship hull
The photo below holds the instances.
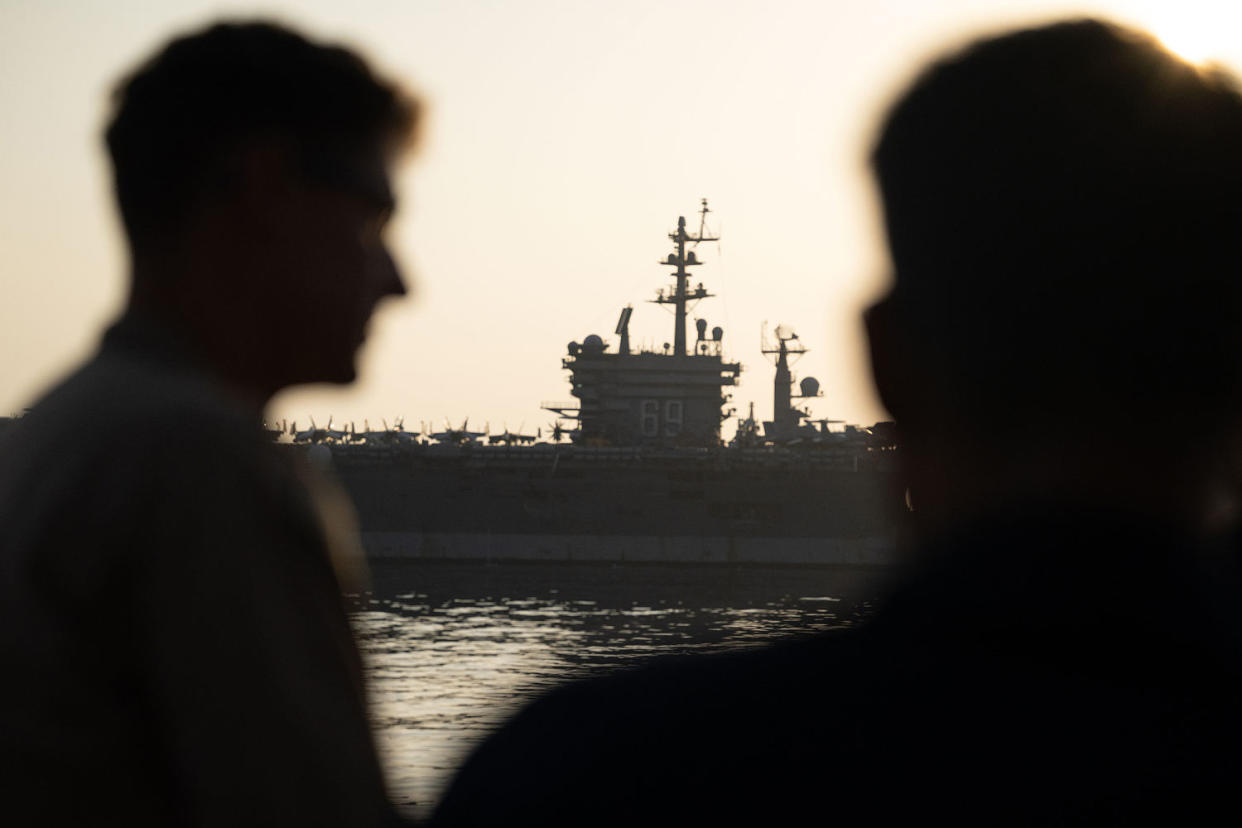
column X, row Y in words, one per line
column 566, row 504
column 876, row 551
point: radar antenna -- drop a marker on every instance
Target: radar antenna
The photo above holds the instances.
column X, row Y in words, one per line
column 703, row 211
column 623, row 328
column 785, row 417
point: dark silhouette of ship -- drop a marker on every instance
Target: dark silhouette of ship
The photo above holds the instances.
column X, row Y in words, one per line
column 645, row 476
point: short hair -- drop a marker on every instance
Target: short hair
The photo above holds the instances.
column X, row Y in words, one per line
column 1063, row 212
column 178, row 117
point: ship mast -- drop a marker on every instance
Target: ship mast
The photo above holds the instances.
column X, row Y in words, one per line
column 682, row 293
column 784, row 416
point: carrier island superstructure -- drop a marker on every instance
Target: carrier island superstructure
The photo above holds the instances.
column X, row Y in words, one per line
column 654, row 399
column 646, row 477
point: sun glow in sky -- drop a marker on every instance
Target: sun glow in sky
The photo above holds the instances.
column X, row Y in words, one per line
column 1199, row 33
column 564, row 139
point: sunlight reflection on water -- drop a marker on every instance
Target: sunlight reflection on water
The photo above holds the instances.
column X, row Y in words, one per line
column 453, row 650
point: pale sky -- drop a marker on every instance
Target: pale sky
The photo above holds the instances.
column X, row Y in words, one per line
column 564, row 139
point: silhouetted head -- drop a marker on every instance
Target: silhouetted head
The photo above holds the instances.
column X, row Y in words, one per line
column 252, row 175
column 1064, row 214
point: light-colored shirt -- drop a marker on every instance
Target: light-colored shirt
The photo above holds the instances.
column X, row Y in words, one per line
column 175, row 647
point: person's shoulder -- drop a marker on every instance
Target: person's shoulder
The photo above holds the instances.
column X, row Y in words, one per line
column 122, row 435
column 595, row 750
column 120, row 406
column 683, row 689
column 118, row 389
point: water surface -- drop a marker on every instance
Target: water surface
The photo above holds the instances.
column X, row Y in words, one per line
column 452, row 650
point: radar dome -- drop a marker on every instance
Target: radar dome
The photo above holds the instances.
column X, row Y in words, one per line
column 717, row 333
column 593, row 343
column 809, row 386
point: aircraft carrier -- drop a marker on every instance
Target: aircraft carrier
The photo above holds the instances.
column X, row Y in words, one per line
column 644, row 477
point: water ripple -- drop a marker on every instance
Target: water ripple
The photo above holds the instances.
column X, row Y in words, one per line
column 452, row 651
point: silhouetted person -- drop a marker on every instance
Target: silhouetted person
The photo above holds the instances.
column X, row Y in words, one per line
column 1062, row 350
column 174, row 644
